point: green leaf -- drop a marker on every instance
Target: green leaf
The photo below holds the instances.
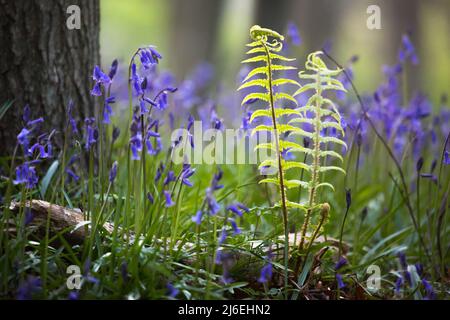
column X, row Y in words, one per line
column 329, row 124
column 306, row 87
column 325, row 184
column 255, row 71
column 255, row 59
column 256, row 82
column 333, row 140
column 270, row 180
column 256, row 95
column 332, row 154
column 279, row 82
column 48, row 177
column 295, row 183
column 329, row 168
column 282, row 95
column 279, row 57
column 295, row 164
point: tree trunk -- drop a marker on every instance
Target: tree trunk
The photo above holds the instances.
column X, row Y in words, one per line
column 45, row 64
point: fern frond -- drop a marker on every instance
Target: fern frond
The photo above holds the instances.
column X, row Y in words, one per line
column 325, row 115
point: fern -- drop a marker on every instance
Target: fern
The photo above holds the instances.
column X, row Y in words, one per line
column 326, row 116
column 267, row 45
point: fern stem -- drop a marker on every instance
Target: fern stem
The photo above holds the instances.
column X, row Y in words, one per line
column 315, row 172
column 280, row 169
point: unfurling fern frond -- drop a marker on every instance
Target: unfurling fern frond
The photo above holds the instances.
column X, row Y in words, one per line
column 266, row 49
column 325, row 117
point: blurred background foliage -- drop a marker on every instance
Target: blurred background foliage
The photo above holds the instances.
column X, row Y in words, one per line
column 190, row 32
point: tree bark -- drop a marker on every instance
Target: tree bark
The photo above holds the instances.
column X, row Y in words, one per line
column 45, row 64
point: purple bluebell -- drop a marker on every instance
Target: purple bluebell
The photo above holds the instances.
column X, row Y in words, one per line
column 169, row 202
column 29, row 287
column 100, row 78
column 446, row 158
column 186, row 174
column 150, row 198
column 430, row 294
column 198, row 217
column 341, row 262
column 113, row 172
column 294, row 34
column 172, row 292
column 72, row 121
column 340, row 281
column 407, row 51
column 113, row 69
column 73, row 295
column 29, row 216
column 235, row 227
column 348, row 197
column 107, row 110
column 170, row 178
column 398, row 285
column 26, row 174
column 91, row 133
column 115, row 133
column 124, row 271
column 266, row 271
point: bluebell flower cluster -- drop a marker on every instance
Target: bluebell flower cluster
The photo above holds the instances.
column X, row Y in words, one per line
column 212, row 207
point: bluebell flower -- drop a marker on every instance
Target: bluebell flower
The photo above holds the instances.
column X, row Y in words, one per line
column 198, row 217
column 73, row 295
column 150, row 198
column 28, row 287
column 294, row 34
column 91, row 134
column 172, row 291
column 113, row 172
column 72, row 174
column 341, row 262
column 115, row 133
column 169, row 202
column 236, row 229
column 124, row 271
column 26, row 115
column 107, row 110
column 29, row 216
column 169, row 178
column 186, row 174
column 407, row 51
column 113, row 69
column 446, row 158
column 398, row 285
column 223, row 236
column 430, row 294
column 26, row 174
column 100, row 78
column 159, row 171
column 72, row 121
column 340, row 281
column 266, row 271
